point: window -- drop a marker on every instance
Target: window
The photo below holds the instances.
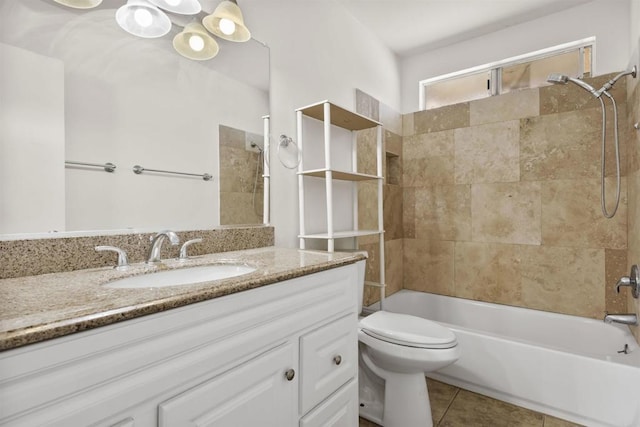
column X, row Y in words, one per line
column 521, row 72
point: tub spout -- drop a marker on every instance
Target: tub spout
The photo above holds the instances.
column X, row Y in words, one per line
column 625, row 319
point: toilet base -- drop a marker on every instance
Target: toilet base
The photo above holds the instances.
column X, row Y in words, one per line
column 406, row 401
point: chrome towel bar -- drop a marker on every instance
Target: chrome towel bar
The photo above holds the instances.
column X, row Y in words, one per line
column 137, row 169
column 108, row 167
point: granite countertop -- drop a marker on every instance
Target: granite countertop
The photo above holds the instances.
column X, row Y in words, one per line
column 37, row 308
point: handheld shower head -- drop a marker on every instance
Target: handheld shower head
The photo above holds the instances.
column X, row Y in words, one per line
column 557, row 78
column 257, row 147
column 560, row 78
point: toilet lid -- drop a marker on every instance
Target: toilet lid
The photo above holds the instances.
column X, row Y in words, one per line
column 411, row 331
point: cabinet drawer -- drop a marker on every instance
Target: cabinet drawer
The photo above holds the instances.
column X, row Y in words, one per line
column 328, row 359
column 340, row 410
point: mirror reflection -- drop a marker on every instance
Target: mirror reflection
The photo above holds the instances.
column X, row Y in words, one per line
column 76, row 88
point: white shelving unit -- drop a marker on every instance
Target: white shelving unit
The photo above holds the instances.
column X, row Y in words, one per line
column 332, row 115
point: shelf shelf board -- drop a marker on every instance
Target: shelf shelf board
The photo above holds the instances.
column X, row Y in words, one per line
column 341, row 234
column 339, row 116
column 340, row 175
column 375, row 284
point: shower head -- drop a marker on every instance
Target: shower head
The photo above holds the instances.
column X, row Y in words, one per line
column 560, row 78
column 256, row 146
column 557, row 78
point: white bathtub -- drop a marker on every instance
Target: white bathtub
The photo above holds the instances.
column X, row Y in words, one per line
column 565, row 366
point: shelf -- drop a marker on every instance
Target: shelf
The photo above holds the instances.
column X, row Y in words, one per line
column 339, row 116
column 374, row 284
column 341, row 234
column 341, row 175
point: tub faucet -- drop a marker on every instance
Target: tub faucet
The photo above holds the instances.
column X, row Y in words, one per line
column 156, row 245
column 625, row 319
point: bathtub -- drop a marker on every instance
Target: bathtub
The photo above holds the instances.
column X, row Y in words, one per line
column 564, row 366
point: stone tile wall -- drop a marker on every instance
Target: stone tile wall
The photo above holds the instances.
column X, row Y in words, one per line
column 501, row 201
column 392, row 195
column 238, row 163
column 633, row 189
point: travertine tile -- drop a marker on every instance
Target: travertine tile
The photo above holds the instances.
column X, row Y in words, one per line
column 428, row 266
column 392, row 207
column 566, row 146
column 408, row 125
column 409, row 212
column 615, row 266
column 550, row 276
column 394, row 265
column 488, row 153
column 238, row 208
column 443, row 212
column 366, row 423
column 471, row 409
column 560, row 98
column 231, row 137
column 488, row 272
column 367, row 105
column 443, row 118
column 372, row 273
column 428, row 171
column 440, row 397
column 513, row 105
column 572, row 215
column 550, row 421
column 506, row 213
column 366, row 144
column 368, row 205
column 433, row 144
column 238, row 169
column 392, row 143
column 390, row 119
column 633, row 212
column 633, row 135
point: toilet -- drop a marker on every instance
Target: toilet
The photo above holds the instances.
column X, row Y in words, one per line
column 395, row 352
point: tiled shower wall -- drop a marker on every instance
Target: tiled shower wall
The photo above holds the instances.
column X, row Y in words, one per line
column 241, row 182
column 633, row 188
column 392, row 195
column 501, row 201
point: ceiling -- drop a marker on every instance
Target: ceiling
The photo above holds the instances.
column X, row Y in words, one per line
column 412, row 26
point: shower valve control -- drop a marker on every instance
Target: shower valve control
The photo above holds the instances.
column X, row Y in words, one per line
column 633, row 280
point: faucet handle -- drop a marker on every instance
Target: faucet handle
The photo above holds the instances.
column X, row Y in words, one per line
column 123, row 261
column 632, row 280
column 183, row 249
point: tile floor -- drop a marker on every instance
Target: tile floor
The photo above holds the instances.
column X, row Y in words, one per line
column 455, row 407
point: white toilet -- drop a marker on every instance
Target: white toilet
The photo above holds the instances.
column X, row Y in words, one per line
column 396, row 350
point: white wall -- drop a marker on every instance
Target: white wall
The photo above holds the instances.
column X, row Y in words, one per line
column 31, row 141
column 634, row 33
column 608, row 20
column 318, row 52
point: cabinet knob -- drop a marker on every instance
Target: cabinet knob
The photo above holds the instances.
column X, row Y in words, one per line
column 337, row 359
column 290, row 374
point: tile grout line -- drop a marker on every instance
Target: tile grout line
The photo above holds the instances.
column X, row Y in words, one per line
column 444, row 414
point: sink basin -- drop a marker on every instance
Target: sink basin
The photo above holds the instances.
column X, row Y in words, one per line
column 182, row 276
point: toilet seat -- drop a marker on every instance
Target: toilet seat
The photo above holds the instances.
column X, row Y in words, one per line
column 406, row 330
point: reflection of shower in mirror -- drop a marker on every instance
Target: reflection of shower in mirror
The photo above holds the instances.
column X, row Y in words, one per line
column 259, row 166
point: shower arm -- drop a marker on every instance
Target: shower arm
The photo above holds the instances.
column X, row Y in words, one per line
column 608, row 85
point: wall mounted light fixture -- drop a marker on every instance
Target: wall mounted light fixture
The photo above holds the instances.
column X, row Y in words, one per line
column 227, row 22
column 142, row 19
column 147, row 19
column 194, row 42
column 80, row 4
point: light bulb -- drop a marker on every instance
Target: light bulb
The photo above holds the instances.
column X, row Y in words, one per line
column 143, row 17
column 227, row 26
column 196, row 42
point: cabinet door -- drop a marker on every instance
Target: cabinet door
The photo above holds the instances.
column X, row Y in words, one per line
column 257, row 392
column 328, row 359
column 340, row 410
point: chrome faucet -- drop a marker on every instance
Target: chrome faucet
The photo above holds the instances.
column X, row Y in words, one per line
column 156, row 245
column 625, row 319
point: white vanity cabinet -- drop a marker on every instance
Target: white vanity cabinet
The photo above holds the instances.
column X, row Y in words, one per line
column 275, row 356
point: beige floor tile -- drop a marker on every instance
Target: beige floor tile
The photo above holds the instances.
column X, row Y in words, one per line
column 471, row 409
column 440, row 396
column 550, row 421
column 366, row 423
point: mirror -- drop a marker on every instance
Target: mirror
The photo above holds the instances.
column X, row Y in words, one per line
column 75, row 87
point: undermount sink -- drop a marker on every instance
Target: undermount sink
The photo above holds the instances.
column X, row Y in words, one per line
column 182, row 276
